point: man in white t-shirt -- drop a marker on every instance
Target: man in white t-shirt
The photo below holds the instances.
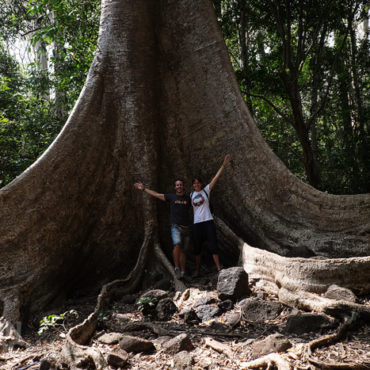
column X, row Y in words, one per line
column 204, row 228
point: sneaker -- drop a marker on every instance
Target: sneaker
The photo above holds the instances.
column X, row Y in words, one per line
column 177, row 273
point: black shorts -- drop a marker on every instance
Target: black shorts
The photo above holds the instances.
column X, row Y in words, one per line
column 205, row 232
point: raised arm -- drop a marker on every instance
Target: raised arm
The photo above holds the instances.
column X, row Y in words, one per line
column 141, row 186
column 218, row 174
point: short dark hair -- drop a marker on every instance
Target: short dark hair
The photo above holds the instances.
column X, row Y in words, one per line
column 179, row 180
column 196, row 178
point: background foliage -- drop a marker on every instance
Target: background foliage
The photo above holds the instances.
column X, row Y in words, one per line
column 37, row 96
column 302, row 67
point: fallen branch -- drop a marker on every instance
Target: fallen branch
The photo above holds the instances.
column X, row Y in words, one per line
column 218, row 346
column 138, row 326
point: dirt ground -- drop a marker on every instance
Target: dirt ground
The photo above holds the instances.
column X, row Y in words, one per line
column 218, row 345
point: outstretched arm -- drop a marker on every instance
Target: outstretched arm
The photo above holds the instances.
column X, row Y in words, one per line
column 141, row 186
column 218, row 174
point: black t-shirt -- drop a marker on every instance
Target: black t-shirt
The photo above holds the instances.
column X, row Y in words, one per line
column 179, row 208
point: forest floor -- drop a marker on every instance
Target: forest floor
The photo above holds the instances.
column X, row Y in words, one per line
column 217, row 344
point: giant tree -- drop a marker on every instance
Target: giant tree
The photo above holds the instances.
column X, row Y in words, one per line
column 160, row 101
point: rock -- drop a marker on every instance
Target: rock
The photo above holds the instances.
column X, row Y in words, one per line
column 226, row 305
column 163, row 284
column 158, row 294
column 206, row 363
column 110, row 338
column 190, row 317
column 232, row 284
column 165, row 309
column 256, row 310
column 184, row 311
column 118, row 358
column 273, row 343
column 206, row 299
column 180, row 343
column 135, row 344
column 340, row 294
column 308, row 322
column 232, row 318
column 48, row 363
column 219, row 326
column 122, row 317
column 148, row 301
column 183, row 361
column 208, row 312
column 159, row 342
column 261, row 294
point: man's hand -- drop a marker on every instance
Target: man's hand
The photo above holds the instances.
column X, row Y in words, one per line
column 139, row 186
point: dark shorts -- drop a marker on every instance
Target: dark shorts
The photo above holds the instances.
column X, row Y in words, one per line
column 205, row 232
column 180, row 235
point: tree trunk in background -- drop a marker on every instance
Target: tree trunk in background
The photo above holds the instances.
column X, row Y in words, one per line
column 60, row 96
column 160, row 102
column 243, row 44
column 42, row 64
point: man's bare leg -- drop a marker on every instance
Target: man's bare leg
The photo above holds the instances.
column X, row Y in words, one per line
column 182, row 261
column 176, row 255
column 216, row 259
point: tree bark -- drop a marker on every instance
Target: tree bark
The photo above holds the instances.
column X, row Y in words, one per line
column 160, row 102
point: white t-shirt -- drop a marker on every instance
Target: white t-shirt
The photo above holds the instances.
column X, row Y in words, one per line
column 200, row 203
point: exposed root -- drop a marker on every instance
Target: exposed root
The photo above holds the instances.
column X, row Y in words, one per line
column 338, row 366
column 230, row 243
column 179, row 285
column 282, row 361
column 332, row 339
column 270, row 361
column 308, row 274
column 75, row 352
column 77, row 356
column 299, row 281
column 313, row 302
column 9, row 336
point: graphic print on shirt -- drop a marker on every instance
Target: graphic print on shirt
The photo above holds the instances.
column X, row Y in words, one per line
column 198, row 200
column 184, row 202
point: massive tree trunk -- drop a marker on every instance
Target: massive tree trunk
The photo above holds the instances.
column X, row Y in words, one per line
column 160, row 102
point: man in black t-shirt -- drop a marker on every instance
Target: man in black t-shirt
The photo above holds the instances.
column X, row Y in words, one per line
column 180, row 205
